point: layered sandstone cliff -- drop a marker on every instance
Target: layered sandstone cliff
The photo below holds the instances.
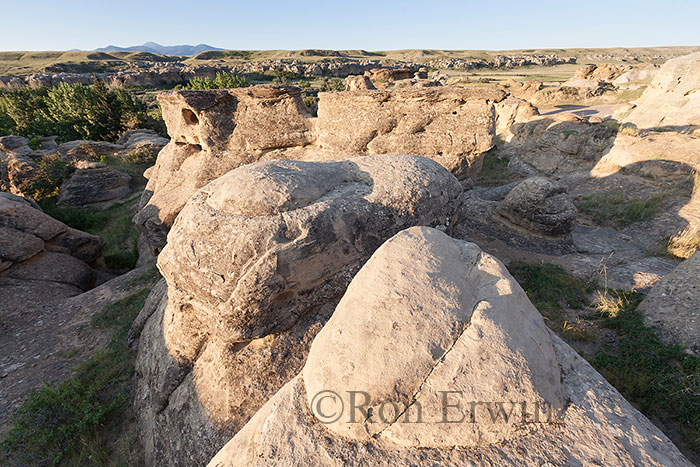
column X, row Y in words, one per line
column 213, row 132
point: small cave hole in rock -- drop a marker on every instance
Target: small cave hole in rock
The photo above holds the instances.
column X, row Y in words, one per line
column 190, row 117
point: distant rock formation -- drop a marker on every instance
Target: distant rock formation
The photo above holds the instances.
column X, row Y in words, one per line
column 500, row 61
column 214, row 132
column 154, row 73
column 254, row 266
column 153, row 47
column 433, row 330
column 672, row 100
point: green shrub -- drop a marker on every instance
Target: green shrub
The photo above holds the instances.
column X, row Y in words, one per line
column 24, row 108
column 222, row 80
column 141, row 156
column 332, row 84
column 312, row 103
column 51, row 171
column 74, row 111
column 494, row 171
column 113, row 224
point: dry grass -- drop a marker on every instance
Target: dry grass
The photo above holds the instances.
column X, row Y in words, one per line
column 685, row 243
column 610, row 303
column 578, row 330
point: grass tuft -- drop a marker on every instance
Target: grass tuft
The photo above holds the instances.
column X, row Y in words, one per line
column 684, row 244
column 113, row 224
column 494, row 171
column 549, row 287
column 615, row 210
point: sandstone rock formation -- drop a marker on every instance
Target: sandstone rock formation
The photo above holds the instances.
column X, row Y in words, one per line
column 672, row 307
column 540, row 206
column 510, row 111
column 594, row 76
column 673, row 98
column 42, row 258
column 216, row 131
column 535, row 215
column 94, row 184
column 254, row 265
column 139, row 139
column 456, row 129
column 46, row 336
column 17, row 169
column 425, row 316
column 358, row 82
column 636, row 77
column 212, row 133
column 552, row 146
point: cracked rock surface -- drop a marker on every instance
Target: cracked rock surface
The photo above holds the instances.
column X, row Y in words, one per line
column 428, row 313
column 254, row 265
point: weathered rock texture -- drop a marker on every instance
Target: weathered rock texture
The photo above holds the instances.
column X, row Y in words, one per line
column 672, row 307
column 637, row 77
column 254, row 265
column 511, row 111
column 594, row 76
column 216, row 131
column 88, row 183
column 448, row 124
column 552, row 146
column 94, row 184
column 17, row 169
column 212, row 133
column 540, row 206
column 42, row 258
column 429, row 314
column 673, row 97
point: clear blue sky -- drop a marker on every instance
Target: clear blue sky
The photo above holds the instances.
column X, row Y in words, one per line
column 333, row 24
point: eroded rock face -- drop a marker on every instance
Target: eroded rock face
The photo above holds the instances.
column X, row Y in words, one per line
column 428, row 314
column 540, row 206
column 511, row 111
column 672, row 307
column 40, row 250
column 214, row 132
column 17, row 172
column 673, row 97
column 636, row 77
column 551, row 145
column 451, row 125
column 94, row 184
column 254, row 265
column 358, row 82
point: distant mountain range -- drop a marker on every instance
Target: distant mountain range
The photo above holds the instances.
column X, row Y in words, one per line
column 155, row 48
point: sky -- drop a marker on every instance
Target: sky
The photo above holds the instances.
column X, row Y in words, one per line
column 357, row 24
